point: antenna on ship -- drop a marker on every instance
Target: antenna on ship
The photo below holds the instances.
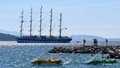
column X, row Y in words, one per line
column 60, row 29
column 31, row 23
column 51, row 22
column 40, row 20
column 21, row 26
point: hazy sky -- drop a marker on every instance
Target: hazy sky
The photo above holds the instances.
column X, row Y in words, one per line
column 86, row 17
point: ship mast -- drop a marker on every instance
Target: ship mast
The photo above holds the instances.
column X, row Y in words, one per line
column 60, row 29
column 51, row 23
column 21, row 26
column 40, row 20
column 31, row 23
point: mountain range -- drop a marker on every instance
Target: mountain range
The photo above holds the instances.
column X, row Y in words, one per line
column 86, row 37
column 9, row 32
column 91, row 37
column 10, row 36
column 7, row 37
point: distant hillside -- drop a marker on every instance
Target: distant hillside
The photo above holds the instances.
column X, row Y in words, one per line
column 7, row 37
column 10, row 37
column 90, row 38
column 87, row 37
column 9, row 32
column 114, row 39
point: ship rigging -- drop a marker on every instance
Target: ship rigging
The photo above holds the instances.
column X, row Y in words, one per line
column 41, row 38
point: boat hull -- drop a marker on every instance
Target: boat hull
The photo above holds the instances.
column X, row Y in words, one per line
column 47, row 62
column 35, row 39
column 101, row 61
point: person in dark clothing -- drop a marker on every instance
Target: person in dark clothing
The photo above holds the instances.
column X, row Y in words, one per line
column 95, row 42
column 84, row 42
column 106, row 41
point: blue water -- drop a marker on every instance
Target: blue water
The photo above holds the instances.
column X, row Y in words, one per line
column 20, row 57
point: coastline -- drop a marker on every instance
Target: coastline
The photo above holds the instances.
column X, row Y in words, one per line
column 10, row 43
column 14, row 43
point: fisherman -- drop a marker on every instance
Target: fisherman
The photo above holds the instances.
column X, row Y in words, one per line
column 106, row 41
column 84, row 41
column 95, row 42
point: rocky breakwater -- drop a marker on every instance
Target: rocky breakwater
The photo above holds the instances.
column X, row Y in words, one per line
column 114, row 51
column 83, row 49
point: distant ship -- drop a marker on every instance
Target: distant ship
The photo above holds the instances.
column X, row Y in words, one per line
column 41, row 38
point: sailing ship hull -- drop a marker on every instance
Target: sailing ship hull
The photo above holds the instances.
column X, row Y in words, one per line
column 43, row 39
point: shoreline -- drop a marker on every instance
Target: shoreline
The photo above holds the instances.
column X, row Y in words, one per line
column 14, row 43
column 10, row 43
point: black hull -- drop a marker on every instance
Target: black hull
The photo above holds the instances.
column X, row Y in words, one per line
column 44, row 39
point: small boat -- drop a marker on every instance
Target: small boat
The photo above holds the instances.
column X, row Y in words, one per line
column 39, row 61
column 98, row 61
column 50, row 60
column 93, row 60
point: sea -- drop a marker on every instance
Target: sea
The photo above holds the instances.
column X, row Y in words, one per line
column 14, row 55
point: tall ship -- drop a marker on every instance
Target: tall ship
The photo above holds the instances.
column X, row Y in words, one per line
column 42, row 38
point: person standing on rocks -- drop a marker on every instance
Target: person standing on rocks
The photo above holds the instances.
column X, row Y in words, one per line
column 106, row 41
column 84, row 42
column 95, row 42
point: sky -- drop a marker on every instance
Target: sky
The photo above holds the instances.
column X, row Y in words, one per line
column 81, row 17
